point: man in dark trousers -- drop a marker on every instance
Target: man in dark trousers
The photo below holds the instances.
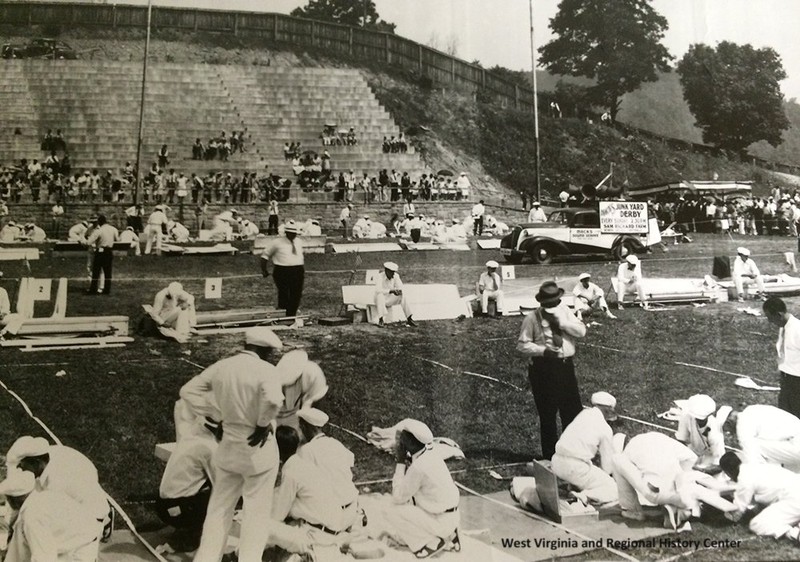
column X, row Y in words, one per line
column 547, row 339
column 286, row 254
column 101, row 240
column 788, row 347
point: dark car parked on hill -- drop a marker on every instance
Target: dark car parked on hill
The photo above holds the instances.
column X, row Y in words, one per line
column 39, row 49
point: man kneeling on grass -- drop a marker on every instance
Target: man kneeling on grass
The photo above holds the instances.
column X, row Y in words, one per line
column 589, row 297
column 174, row 308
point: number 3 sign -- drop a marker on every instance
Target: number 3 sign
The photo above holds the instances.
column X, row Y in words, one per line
column 214, row 288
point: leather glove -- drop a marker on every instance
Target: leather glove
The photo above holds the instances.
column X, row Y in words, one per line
column 259, row 436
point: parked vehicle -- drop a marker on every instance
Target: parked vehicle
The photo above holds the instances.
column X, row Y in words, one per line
column 41, row 48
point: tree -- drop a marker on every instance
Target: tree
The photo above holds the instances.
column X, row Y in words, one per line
column 734, row 93
column 615, row 43
column 347, row 12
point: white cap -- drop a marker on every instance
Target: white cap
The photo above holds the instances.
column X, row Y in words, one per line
column 174, row 288
column 604, row 399
column 315, row 417
column 743, row 251
column 391, row 266
column 419, row 430
column 583, row 276
column 535, row 203
column 633, row 260
column 290, row 226
column 159, row 207
column 291, row 366
column 493, row 264
column 26, row 446
column 701, row 406
column 18, row 483
column 262, row 337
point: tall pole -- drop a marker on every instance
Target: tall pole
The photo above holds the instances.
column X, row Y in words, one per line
column 138, row 178
column 535, row 109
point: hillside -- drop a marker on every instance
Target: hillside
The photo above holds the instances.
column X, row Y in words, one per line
column 456, row 130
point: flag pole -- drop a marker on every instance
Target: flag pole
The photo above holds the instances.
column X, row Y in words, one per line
column 535, row 108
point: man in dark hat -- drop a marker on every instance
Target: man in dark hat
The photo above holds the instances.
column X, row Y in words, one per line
column 548, row 338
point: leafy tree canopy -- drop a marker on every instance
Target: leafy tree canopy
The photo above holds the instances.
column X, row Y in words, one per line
column 616, row 43
column 734, row 93
column 347, row 12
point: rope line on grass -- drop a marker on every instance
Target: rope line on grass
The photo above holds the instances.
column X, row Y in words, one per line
column 111, row 500
column 719, row 371
column 543, row 520
column 470, row 373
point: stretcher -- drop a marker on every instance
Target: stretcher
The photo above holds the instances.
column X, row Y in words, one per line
column 220, row 249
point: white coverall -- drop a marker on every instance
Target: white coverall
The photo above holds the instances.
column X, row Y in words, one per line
column 384, row 300
column 770, row 485
column 175, row 311
column 490, row 287
column 630, row 281
column 769, row 434
column 154, row 233
column 248, row 394
column 742, row 269
column 587, row 435
column 589, row 298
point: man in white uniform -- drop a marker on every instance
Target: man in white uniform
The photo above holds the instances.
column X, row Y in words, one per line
column 49, row 526
column 77, row 233
column 536, row 213
column 477, row 218
column 389, row 292
column 768, row 434
column 788, row 347
column 128, row 236
column 490, row 286
column 700, row 429
column 174, row 308
column 425, row 513
column 178, row 233
column 155, row 236
column 768, row 485
column 745, row 273
column 588, row 436
column 58, row 468
column 589, row 297
column 243, row 393
column 302, row 382
column 186, row 485
column 629, row 278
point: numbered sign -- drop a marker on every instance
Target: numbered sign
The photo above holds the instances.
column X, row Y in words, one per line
column 214, row 288
column 371, row 277
column 40, row 289
column 508, row 272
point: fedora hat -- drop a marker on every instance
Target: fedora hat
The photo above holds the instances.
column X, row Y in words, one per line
column 549, row 293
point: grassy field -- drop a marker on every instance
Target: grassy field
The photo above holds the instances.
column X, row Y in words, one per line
column 114, row 405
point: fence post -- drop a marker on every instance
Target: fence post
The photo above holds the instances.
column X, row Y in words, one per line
column 275, row 27
column 30, row 15
column 419, row 53
column 483, row 78
column 113, row 16
column 313, row 31
column 195, row 20
column 387, row 54
column 350, row 42
column 516, row 96
column 236, row 23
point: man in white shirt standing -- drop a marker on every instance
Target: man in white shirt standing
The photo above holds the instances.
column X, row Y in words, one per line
column 490, row 287
column 768, row 434
column 745, row 273
column 344, row 218
column 286, row 254
column 589, row 297
column 788, row 347
column 389, row 292
column 629, row 278
column 155, row 223
column 588, row 436
column 536, row 213
column 101, row 241
column 478, row 211
column 243, row 393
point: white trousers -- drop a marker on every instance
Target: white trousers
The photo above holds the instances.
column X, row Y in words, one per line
column 785, row 453
column 11, row 323
column 384, row 302
column 599, row 303
column 415, row 527
column 153, row 237
column 256, row 491
column 778, row 518
column 742, row 282
column 180, row 320
column 496, row 296
column 597, row 484
column 631, row 483
column 630, row 288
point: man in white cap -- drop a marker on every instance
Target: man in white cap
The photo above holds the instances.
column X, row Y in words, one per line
column 588, row 436
column 767, row 434
column 50, row 525
column 389, row 292
column 286, row 253
column 700, row 428
column 302, row 382
column 129, row 236
column 243, row 393
column 154, row 230
column 425, row 514
column 308, row 500
column 490, row 287
column 456, row 232
column 547, row 339
column 745, row 273
column 536, row 213
column 589, row 297
column 173, row 308
column 629, row 280
column 361, row 228
column 77, row 233
column 59, row 468
column 329, row 455
column 178, row 233
column 344, row 218
column 765, row 485
column 186, row 485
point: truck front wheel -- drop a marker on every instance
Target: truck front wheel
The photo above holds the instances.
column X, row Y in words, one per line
column 542, row 253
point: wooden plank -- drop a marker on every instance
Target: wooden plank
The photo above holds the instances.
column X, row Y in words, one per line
column 365, row 248
column 14, row 254
column 217, row 316
column 77, row 324
column 247, row 323
column 310, row 243
column 68, row 347
column 42, row 342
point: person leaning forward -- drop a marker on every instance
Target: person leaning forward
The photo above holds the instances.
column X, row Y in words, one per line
column 547, row 338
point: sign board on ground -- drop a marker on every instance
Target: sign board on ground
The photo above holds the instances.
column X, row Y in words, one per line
column 621, row 217
column 214, row 288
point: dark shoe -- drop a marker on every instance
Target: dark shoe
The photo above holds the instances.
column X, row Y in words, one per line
column 427, row 552
column 411, row 322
